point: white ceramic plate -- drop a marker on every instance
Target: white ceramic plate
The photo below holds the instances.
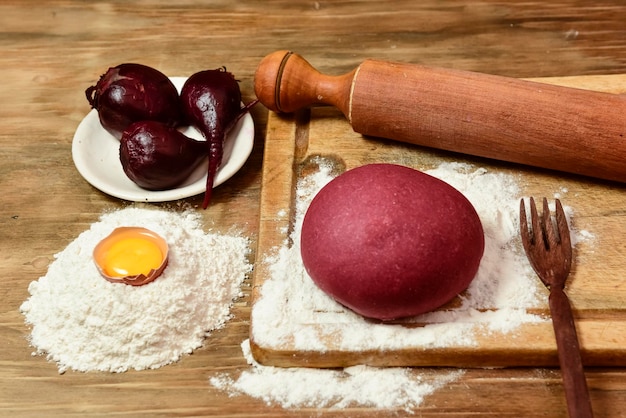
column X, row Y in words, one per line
column 96, row 157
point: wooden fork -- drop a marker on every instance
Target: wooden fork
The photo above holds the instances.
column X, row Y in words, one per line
column 549, row 251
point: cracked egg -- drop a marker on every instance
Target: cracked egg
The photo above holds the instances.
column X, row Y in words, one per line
column 131, row 255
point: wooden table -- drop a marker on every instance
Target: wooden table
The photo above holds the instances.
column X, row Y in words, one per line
column 52, row 51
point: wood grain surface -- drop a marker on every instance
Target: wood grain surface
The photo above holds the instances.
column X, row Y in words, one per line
column 52, row 51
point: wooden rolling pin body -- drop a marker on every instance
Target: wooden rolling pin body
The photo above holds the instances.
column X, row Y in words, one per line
column 571, row 130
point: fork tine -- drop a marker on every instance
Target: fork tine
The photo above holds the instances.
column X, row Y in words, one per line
column 526, row 238
column 564, row 234
column 538, row 237
column 561, row 222
column 551, row 235
column 529, row 233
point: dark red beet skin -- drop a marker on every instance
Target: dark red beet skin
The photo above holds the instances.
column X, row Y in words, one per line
column 211, row 101
column 158, row 157
column 132, row 92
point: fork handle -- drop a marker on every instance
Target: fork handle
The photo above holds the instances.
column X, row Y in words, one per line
column 574, row 383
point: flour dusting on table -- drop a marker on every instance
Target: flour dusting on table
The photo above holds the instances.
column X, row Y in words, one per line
column 374, row 387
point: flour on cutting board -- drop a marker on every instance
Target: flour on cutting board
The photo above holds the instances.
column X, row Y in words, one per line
column 289, row 299
column 497, row 300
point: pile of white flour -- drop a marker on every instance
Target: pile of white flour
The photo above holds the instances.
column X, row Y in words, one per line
column 85, row 323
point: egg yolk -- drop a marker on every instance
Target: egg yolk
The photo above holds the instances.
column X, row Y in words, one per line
column 131, row 257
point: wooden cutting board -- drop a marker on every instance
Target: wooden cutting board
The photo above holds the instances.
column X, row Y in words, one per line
column 597, row 285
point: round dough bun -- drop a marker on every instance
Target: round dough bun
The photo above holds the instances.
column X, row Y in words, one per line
column 388, row 241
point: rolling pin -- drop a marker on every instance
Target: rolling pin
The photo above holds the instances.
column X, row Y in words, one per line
column 559, row 128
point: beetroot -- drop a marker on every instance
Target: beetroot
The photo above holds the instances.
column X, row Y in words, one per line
column 130, row 93
column 211, row 101
column 158, row 157
column 388, row 241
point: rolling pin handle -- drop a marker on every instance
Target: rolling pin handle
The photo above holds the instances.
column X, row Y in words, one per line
column 284, row 82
